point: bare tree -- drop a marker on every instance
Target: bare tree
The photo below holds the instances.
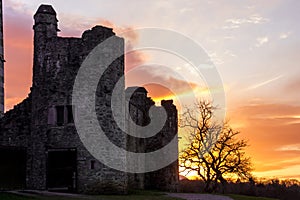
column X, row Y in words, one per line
column 214, row 151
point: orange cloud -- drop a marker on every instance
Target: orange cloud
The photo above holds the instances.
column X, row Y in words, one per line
column 134, row 59
column 293, row 86
column 157, row 91
column 269, row 130
column 161, row 84
column 126, row 31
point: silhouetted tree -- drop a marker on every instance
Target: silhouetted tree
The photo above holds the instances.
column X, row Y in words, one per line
column 214, row 151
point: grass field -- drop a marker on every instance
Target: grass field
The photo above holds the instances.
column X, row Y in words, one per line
column 241, row 197
column 134, row 196
column 148, row 195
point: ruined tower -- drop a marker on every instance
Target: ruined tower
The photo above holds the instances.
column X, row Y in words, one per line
column 45, row 29
column 53, row 132
column 1, row 64
column 40, row 148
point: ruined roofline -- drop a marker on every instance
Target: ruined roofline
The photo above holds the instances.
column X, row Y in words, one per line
column 17, row 107
column 51, row 18
column 102, row 28
column 137, row 89
column 87, row 31
column 94, row 28
column 167, row 102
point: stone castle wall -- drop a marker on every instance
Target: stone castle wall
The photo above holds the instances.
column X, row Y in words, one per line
column 167, row 177
column 56, row 62
column 44, row 122
column 15, row 131
column 139, row 104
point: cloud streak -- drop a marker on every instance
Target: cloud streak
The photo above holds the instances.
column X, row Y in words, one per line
column 292, row 147
column 258, row 85
column 235, row 23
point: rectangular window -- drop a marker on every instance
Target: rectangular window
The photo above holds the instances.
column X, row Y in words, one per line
column 93, row 164
column 63, row 115
column 60, row 115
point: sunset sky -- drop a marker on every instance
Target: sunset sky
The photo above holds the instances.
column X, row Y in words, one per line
column 254, row 44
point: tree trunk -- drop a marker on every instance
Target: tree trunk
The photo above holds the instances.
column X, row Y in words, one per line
column 208, row 188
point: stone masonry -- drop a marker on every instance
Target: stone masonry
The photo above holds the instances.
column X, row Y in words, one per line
column 166, row 178
column 42, row 126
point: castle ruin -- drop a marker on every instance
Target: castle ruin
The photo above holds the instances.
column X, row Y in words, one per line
column 39, row 145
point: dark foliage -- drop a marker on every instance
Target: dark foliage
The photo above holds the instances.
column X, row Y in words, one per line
column 283, row 190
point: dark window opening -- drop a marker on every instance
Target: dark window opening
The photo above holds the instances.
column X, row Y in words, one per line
column 70, row 114
column 93, row 164
column 61, row 170
column 63, row 115
column 60, row 115
column 12, row 168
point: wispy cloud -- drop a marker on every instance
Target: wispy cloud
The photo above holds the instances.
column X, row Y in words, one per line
column 237, row 22
column 257, row 19
column 285, row 35
column 292, row 147
column 230, row 53
column 229, row 37
column 185, row 10
column 255, row 86
column 215, row 58
column 285, row 119
column 261, row 41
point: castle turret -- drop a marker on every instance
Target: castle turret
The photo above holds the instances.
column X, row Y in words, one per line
column 45, row 30
column 45, row 22
column 1, row 64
